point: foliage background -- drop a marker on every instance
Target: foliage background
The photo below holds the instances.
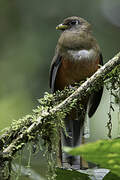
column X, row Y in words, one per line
column 27, row 43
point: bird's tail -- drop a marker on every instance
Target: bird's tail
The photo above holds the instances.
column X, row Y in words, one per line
column 75, row 130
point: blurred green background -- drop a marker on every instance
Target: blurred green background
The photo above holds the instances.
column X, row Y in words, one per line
column 27, row 43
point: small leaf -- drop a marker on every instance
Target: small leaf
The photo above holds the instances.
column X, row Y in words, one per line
column 111, row 176
column 106, row 153
column 63, row 174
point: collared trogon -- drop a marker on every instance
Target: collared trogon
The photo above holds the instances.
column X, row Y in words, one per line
column 77, row 57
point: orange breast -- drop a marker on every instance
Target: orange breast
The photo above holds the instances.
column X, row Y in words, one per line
column 74, row 71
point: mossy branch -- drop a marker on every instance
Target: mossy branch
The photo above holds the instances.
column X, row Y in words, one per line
column 48, row 116
column 100, row 76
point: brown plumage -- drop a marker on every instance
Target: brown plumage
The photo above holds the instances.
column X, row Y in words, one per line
column 77, row 57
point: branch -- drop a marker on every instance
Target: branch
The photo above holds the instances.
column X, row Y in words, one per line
column 47, row 116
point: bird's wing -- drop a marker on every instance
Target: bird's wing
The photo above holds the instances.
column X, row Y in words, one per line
column 96, row 96
column 53, row 70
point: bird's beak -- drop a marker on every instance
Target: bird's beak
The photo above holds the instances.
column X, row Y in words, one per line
column 61, row 27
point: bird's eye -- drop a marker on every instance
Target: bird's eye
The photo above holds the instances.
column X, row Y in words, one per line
column 74, row 22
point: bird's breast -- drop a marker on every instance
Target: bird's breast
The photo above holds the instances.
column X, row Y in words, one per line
column 76, row 67
column 79, row 55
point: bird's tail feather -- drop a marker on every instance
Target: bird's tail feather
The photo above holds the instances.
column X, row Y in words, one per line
column 74, row 129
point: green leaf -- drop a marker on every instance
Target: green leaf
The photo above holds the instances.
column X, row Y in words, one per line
column 111, row 176
column 63, row 174
column 98, row 174
column 106, row 153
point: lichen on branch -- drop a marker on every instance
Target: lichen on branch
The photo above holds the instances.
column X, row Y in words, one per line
column 47, row 118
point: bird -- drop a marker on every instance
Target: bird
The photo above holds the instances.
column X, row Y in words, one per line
column 77, row 57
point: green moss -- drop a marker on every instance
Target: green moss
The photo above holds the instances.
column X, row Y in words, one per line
column 49, row 125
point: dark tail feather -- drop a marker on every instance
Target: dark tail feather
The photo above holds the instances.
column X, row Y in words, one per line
column 94, row 101
column 74, row 130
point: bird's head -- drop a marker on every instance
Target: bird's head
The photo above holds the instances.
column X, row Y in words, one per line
column 74, row 23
